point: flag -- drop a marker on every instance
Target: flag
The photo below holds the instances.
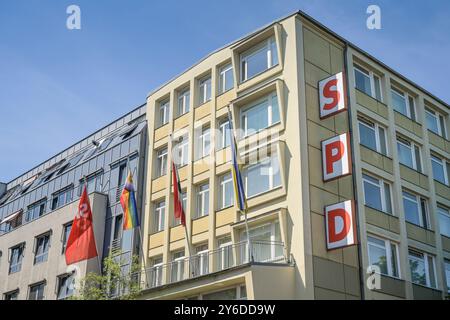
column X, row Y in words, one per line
column 128, row 202
column 81, row 241
column 178, row 201
column 239, row 194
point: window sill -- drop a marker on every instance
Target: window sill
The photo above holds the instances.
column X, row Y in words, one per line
column 405, row 116
column 156, row 232
column 419, row 226
column 438, row 135
column 411, row 168
column 222, row 93
column 380, row 211
column 368, row 95
column 199, row 217
column 263, row 192
column 247, row 136
column 219, row 210
column 377, row 152
column 203, row 103
column 243, row 82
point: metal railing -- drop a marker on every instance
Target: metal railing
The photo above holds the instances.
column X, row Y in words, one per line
column 212, row 261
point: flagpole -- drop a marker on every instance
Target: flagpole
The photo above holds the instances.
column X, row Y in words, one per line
column 95, row 241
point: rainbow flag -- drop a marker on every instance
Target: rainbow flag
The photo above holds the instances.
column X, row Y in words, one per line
column 128, row 202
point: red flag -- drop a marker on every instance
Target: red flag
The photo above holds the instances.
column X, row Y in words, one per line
column 81, row 242
column 178, row 202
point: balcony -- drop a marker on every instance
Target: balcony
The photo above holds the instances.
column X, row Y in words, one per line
column 214, row 261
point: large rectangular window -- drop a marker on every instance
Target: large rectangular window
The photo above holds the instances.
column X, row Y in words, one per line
column 16, row 257
column 226, row 198
column 372, row 135
column 440, row 168
column 403, row 103
column 258, row 59
column 35, row 210
column 377, row 194
column 203, row 146
column 261, row 114
column 159, row 215
column 164, row 109
column 423, row 269
column 223, row 139
column 204, row 86
column 156, row 272
column 409, row 154
column 265, row 241
column 200, row 262
column 177, row 221
column 181, row 154
column 225, row 253
column 161, row 162
column 184, row 102
column 177, row 266
column 416, row 209
column 444, row 220
column 12, row 295
column 62, row 198
column 384, row 255
column 94, row 183
column 226, row 79
column 368, row 82
column 65, row 236
column 66, row 284
column 36, row 291
column 202, row 200
column 42, row 244
column 435, row 122
column 262, row 176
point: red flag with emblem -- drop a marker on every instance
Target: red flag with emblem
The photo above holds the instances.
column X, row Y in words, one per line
column 81, row 241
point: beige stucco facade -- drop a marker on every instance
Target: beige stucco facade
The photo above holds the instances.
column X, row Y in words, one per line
column 307, row 53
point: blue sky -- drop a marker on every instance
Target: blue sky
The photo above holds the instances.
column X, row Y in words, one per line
column 59, row 85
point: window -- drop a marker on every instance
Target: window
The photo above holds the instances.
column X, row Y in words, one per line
column 435, row 122
column 11, row 222
column 118, row 227
column 261, row 114
column 444, row 220
column 94, row 183
column 66, row 284
column 258, row 59
column 181, row 154
column 202, row 200
column 440, row 168
column 368, row 82
column 156, row 272
column 177, row 221
column 384, row 255
column 262, row 177
column 226, row 259
column 122, row 175
column 12, row 295
column 403, row 103
column 161, row 162
column 204, row 143
column 65, row 236
column 373, row 136
column 62, row 198
column 183, row 102
column 164, row 109
column 37, row 291
column 447, row 274
column 416, row 209
column 409, row 154
column 226, row 191
column 160, row 210
column 15, row 262
column 377, row 194
column 42, row 244
column 200, row 262
column 35, row 210
column 177, row 266
column 204, row 86
column 423, row 269
column 265, row 241
column 223, row 140
column 226, row 79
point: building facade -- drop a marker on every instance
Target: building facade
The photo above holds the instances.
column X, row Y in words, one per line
column 397, row 177
column 38, row 208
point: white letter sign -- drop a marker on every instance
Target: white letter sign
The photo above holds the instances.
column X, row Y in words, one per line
column 336, row 160
column 332, row 96
column 340, row 225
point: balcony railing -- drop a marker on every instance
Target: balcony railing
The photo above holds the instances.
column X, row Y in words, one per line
column 208, row 262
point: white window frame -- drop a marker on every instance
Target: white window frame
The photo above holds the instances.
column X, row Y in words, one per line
column 225, row 247
column 204, row 143
column 381, row 186
column 376, row 128
column 271, row 174
column 443, row 163
column 179, row 263
column 202, row 254
column 445, row 212
column 418, row 201
column 224, row 128
column 224, row 180
column 388, row 250
column 265, row 45
column 273, row 242
column 412, row 149
column 259, row 104
column 159, row 218
column 371, row 77
column 222, row 77
column 40, row 257
column 182, row 148
column 204, row 87
column 183, row 102
column 202, row 197
column 407, row 97
column 164, row 111
column 440, row 120
column 427, row 267
column 161, row 159
column 157, row 272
